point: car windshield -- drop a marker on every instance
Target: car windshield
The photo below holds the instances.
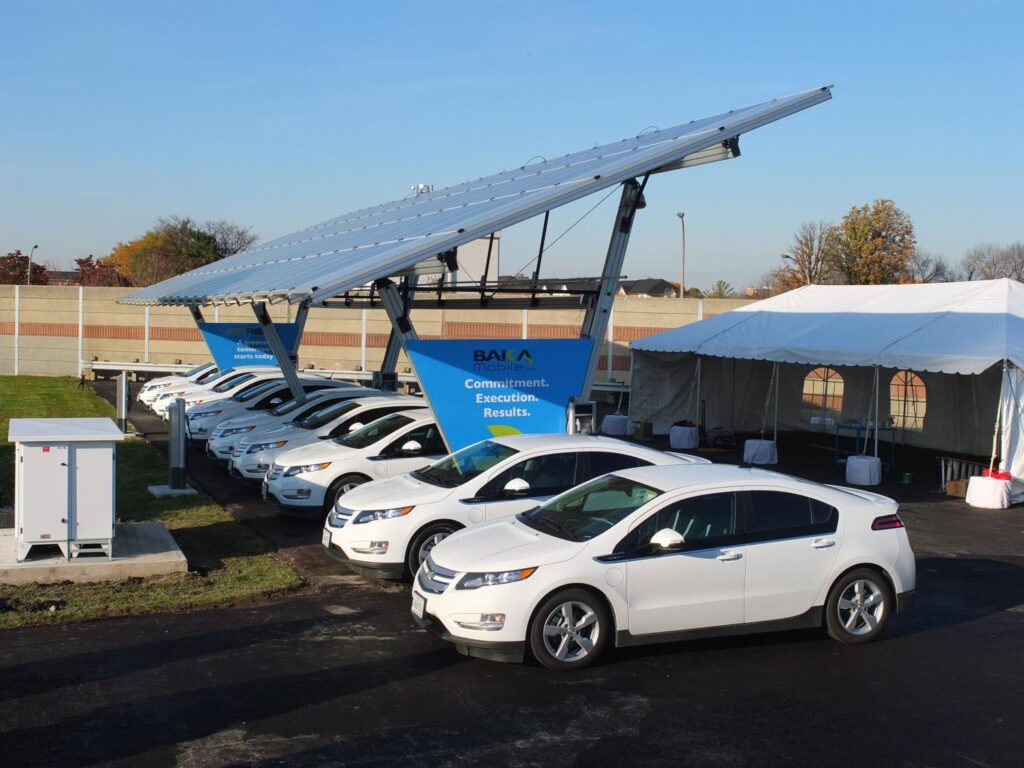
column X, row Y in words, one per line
column 196, row 370
column 374, row 431
column 462, row 466
column 321, row 416
column 290, row 406
column 233, row 382
column 589, row 509
column 211, row 375
column 256, row 391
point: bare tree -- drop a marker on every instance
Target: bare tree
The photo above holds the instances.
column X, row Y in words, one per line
column 925, row 267
column 812, row 256
column 989, row 262
column 231, row 238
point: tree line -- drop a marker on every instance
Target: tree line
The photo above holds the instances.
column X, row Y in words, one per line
column 172, row 246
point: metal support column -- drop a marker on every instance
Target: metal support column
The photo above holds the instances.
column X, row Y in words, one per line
column 595, row 322
column 396, row 304
column 284, row 359
column 301, row 315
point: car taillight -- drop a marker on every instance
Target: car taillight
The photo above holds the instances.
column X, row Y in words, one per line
column 886, row 523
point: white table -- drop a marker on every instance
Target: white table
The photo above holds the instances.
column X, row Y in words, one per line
column 613, row 424
column 988, row 492
column 683, row 437
column 760, row 452
column 863, row 470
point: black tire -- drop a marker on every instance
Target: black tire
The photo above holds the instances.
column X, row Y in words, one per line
column 552, row 616
column 422, row 540
column 858, row 607
column 342, row 485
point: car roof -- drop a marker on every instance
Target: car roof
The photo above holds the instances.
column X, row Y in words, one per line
column 675, row 477
column 390, row 400
column 561, row 441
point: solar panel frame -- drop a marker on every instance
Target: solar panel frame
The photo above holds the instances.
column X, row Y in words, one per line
column 326, row 259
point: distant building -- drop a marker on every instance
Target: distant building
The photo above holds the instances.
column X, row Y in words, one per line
column 651, row 288
column 63, row 277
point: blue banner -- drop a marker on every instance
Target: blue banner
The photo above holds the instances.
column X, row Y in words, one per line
column 235, row 344
column 494, row 387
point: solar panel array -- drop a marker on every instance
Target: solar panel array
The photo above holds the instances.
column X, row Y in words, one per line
column 348, row 251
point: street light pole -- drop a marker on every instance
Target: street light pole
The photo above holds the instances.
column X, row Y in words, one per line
column 28, row 277
column 682, row 264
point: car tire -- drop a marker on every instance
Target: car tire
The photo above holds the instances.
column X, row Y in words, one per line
column 424, row 541
column 341, row 486
column 858, row 607
column 570, row 630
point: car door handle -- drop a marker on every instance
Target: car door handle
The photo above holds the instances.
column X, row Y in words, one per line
column 729, row 556
column 823, row 543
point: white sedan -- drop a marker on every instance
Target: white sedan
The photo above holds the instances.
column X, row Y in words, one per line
column 255, row 453
column 225, row 385
column 151, row 389
column 225, row 436
column 485, row 481
column 668, row 553
column 308, row 479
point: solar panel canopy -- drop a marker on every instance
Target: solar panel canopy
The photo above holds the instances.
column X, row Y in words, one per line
column 343, row 253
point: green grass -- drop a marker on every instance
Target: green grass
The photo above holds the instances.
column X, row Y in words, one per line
column 229, row 564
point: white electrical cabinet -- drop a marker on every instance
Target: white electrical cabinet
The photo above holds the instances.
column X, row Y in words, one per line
column 64, row 484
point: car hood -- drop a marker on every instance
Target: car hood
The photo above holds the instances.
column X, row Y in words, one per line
column 248, row 420
column 286, row 432
column 401, row 491
column 314, row 453
column 503, row 545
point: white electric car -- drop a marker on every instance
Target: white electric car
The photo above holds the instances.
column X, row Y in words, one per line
column 225, row 436
column 224, row 385
column 149, row 391
column 667, row 553
column 255, row 453
column 308, row 479
column 261, row 396
column 406, row 516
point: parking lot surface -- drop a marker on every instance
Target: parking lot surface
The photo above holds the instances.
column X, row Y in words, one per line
column 339, row 675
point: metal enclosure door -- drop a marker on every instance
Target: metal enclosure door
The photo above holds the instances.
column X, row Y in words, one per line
column 44, row 493
column 92, row 492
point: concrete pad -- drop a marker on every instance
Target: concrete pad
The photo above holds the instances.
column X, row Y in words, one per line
column 140, row 550
column 161, row 491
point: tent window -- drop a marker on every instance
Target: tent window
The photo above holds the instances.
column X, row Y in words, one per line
column 823, row 397
column 908, row 400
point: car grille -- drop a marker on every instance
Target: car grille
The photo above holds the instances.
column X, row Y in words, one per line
column 433, row 578
column 275, row 472
column 339, row 517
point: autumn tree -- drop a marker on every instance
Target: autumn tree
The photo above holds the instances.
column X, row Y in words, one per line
column 92, row 272
column 811, row 259
column 874, row 244
column 14, row 270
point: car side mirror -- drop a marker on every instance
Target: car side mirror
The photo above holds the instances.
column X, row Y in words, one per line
column 275, row 401
column 667, row 539
column 354, row 427
column 517, row 487
column 411, row 448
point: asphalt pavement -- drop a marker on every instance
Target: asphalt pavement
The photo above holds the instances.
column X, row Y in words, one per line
column 338, row 675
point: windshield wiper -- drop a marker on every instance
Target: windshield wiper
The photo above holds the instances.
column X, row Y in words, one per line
column 559, row 529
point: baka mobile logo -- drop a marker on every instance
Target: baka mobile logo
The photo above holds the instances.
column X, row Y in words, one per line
column 502, row 359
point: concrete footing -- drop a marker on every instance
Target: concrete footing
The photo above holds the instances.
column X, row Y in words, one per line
column 160, row 491
column 140, row 550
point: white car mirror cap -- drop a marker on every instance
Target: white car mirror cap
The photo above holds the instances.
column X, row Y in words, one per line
column 412, row 447
column 354, row 427
column 517, row 487
column 667, row 538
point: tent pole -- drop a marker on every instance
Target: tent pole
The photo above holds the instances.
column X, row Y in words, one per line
column 696, row 419
column 877, row 416
column 775, row 425
column 999, row 411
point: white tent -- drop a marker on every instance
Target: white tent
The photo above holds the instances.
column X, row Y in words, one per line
column 965, row 342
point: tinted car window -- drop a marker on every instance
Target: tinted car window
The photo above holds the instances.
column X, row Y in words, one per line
column 596, row 463
column 464, row 465
column 775, row 514
column 428, row 436
column 365, row 417
column 547, row 475
column 233, row 382
column 704, row 521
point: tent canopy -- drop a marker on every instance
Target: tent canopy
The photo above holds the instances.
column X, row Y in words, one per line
column 960, row 328
column 325, row 260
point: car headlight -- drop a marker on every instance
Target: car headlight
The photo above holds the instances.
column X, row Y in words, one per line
column 203, row 415
column 265, row 446
column 298, row 470
column 477, row 580
column 235, row 431
column 369, row 515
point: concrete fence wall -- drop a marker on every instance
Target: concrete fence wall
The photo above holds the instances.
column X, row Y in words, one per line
column 47, row 330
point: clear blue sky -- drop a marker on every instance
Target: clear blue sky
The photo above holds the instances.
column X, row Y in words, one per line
column 279, row 115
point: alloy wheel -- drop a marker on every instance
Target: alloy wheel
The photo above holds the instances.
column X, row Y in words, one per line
column 861, row 607
column 571, row 630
